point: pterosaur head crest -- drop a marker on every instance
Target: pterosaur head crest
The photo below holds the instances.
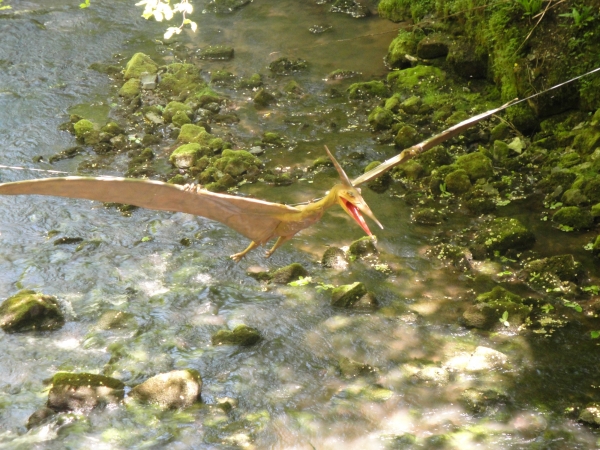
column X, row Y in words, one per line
column 350, row 198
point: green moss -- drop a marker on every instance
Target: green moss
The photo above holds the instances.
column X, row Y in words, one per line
column 253, row 82
column 221, row 77
column 457, row 182
column 182, row 80
column 273, row 139
column 591, row 189
column 563, row 178
column 240, row 335
column 411, row 105
column 476, row 164
column 574, row 197
column 264, row 98
column 573, row 216
column 362, row 247
column 112, row 128
column 422, row 76
column 86, row 132
column 348, row 294
column 403, row 44
column 139, row 64
column 193, row 134
column 565, row 267
column 216, row 52
column 367, row 89
column 173, row 108
column 503, row 234
column 382, row 182
column 381, row 118
column 85, row 379
column 131, row 88
column 180, row 119
column 28, row 310
column 186, row 155
column 433, row 158
column 406, row 137
column 289, row 273
column 236, row 162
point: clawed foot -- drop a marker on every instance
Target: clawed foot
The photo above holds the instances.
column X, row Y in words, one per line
column 237, row 257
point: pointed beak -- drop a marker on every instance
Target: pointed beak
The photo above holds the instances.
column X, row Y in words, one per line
column 354, row 210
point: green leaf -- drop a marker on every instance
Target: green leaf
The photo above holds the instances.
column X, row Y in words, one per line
column 302, row 281
column 595, row 334
column 85, row 4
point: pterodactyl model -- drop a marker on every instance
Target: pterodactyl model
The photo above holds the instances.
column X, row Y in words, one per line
column 258, row 220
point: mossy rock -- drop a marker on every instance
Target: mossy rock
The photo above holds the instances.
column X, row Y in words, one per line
column 367, row 89
column 408, row 79
column 382, row 182
column 406, row 137
column 112, row 128
column 186, row 155
column 587, row 140
column 487, row 316
column 273, row 139
column 574, row 217
column 348, row 294
column 574, row 197
column 138, row 64
column 222, row 77
column 171, row 390
column 241, row 335
column 562, row 178
column 411, row 169
column 565, row 267
column 458, row 182
column 412, row 105
column 131, row 88
column 394, row 10
column 264, row 98
column 476, row 164
column 180, row 119
column 86, row 132
column 284, row 66
column 434, row 158
column 381, row 118
column 30, row 311
column 362, row 247
column 334, row 258
column 503, row 234
column 216, row 53
column 466, row 60
column 428, row 216
column 193, row 134
column 289, row 273
column 523, row 118
column 253, row 82
column 434, row 45
column 83, row 391
column 236, row 162
column 591, row 189
column 182, row 80
column 174, row 108
column 403, row 44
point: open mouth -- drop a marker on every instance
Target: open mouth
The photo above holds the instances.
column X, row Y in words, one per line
column 356, row 215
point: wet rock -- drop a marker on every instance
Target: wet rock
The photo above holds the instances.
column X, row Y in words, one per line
column 273, row 140
column 367, row 89
column 575, row 217
column 467, row 61
column 28, row 311
column 67, row 240
column 412, row 105
column 394, row 10
column 458, row 182
column 503, row 234
column 193, row 134
column 334, row 258
column 587, row 141
column 186, row 155
column 413, row 77
column 173, row 108
column 428, row 216
column 347, row 295
column 39, row 417
column 476, row 164
column 563, row 266
column 180, row 119
column 216, row 52
column 362, row 247
column 241, row 335
column 176, row 389
column 485, row 358
column 285, row 66
column 574, row 197
column 185, row 81
column 351, row 7
column 112, row 129
column 289, row 273
column 478, row 401
column 139, row 64
column 222, row 77
column 432, row 46
column 237, row 163
column 557, row 179
column 225, row 6
column 253, row 82
column 341, row 74
column 490, row 308
column 68, row 153
column 407, row 136
column 591, row 189
column 83, row 391
column 318, row 29
column 130, row 89
column 264, row 98
column 86, row 132
column 148, row 81
column 591, row 414
column 432, row 375
column 381, row 118
column 114, row 320
column 350, row 368
column 382, row 182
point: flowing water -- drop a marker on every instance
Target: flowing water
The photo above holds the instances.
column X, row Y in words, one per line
column 288, row 388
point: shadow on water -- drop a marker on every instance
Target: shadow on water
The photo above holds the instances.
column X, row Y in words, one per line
column 412, row 360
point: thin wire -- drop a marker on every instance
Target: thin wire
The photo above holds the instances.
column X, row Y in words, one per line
column 33, row 170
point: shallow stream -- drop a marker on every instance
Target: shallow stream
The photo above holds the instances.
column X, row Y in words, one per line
column 288, row 388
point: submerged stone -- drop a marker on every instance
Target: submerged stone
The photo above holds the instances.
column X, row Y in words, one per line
column 83, row 391
column 367, row 89
column 485, row 401
column 131, row 88
column 381, row 118
column 86, row 132
column 362, row 247
column 406, row 137
column 334, row 258
column 565, row 267
column 347, row 295
column 264, row 98
column 171, row 390
column 503, row 234
column 284, row 66
column 428, row 216
column 290, row 273
column 476, row 164
column 113, row 320
column 30, row 311
column 216, row 52
column 240, row 335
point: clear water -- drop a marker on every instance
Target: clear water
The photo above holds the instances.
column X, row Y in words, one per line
column 289, row 391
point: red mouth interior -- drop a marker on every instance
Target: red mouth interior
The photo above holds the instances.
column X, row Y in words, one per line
column 355, row 213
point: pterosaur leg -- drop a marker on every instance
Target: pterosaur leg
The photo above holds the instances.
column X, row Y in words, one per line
column 238, row 256
column 281, row 240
